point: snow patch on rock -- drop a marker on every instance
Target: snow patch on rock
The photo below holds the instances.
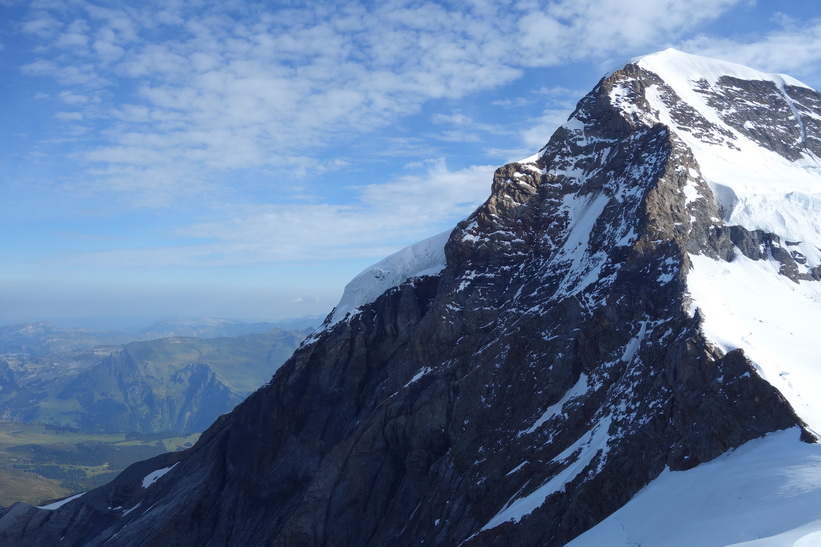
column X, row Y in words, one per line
column 748, row 304
column 58, row 504
column 154, row 476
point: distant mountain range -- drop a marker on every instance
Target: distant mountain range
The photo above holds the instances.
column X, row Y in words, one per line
column 43, row 338
column 92, row 381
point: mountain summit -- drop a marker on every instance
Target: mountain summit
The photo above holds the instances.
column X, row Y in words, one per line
column 627, row 306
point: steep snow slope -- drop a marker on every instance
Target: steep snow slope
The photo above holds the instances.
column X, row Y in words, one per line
column 426, row 257
column 747, row 304
column 767, row 177
column 766, row 493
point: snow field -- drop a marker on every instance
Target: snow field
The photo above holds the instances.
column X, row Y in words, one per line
column 766, row 493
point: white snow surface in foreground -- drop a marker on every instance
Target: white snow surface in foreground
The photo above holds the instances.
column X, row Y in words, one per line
column 426, row 257
column 58, row 504
column 766, row 493
column 154, row 476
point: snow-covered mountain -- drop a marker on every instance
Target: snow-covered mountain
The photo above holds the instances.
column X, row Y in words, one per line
column 617, row 347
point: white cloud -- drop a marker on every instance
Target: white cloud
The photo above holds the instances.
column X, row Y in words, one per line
column 557, row 104
column 457, row 127
column 75, row 35
column 107, row 50
column 537, row 135
column 405, row 209
column 256, row 92
column 69, row 97
column 191, row 99
column 307, row 300
column 384, row 218
column 41, row 24
column 562, row 93
column 514, row 102
column 568, row 30
column 80, row 74
column 357, row 67
column 120, row 22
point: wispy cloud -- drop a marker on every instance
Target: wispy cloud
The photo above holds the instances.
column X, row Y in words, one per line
column 402, row 210
column 41, row 24
column 69, row 116
column 255, row 134
column 69, row 97
column 590, row 28
column 239, row 87
column 191, row 101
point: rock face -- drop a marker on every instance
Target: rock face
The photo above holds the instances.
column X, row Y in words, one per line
column 552, row 369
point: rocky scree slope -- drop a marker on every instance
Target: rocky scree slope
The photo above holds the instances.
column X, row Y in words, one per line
column 550, row 370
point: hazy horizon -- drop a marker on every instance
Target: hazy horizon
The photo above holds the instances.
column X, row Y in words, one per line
column 142, row 323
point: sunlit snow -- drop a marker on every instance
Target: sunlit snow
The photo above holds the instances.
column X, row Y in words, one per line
column 747, row 304
column 426, row 257
column 757, row 188
column 766, row 493
column 584, row 269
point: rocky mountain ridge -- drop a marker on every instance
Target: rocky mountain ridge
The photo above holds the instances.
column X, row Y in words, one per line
column 555, row 366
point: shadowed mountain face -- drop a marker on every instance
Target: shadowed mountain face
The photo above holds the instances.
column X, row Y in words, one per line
column 553, row 368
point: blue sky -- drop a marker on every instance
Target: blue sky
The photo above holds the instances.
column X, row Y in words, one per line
column 246, row 159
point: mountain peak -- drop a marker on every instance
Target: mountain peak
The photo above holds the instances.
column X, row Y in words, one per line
column 743, row 126
column 673, row 64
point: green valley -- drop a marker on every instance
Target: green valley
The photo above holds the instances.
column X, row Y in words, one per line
column 40, row 463
column 74, row 419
